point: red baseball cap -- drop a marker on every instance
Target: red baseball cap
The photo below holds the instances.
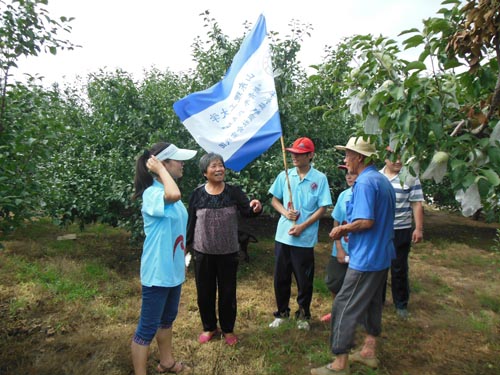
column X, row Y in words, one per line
column 302, row 145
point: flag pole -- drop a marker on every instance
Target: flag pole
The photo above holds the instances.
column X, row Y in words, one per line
column 286, row 171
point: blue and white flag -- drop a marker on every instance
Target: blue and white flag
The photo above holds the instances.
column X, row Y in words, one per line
column 238, row 117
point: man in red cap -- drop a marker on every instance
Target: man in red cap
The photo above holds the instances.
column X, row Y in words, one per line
column 297, row 230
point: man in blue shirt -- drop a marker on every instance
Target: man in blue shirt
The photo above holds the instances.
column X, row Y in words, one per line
column 370, row 220
column 297, row 231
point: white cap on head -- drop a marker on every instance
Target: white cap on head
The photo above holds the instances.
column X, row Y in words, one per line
column 174, row 153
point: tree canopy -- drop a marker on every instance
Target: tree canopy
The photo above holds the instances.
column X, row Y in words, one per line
column 69, row 152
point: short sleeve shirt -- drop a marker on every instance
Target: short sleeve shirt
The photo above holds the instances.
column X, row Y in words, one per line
column 339, row 214
column 308, row 195
column 373, row 198
column 162, row 261
column 410, row 191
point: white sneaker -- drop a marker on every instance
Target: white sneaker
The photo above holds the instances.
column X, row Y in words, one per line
column 303, row 324
column 277, row 322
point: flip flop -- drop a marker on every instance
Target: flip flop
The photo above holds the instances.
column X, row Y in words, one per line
column 371, row 362
column 327, row 370
column 170, row 370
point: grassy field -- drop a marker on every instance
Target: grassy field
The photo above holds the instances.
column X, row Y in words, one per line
column 71, row 307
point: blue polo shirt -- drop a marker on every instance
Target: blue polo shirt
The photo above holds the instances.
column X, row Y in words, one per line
column 340, row 214
column 373, row 198
column 308, row 196
column 162, row 261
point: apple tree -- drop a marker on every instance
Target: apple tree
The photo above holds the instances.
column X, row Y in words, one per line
column 440, row 111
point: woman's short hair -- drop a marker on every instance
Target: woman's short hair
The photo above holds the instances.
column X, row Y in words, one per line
column 207, row 159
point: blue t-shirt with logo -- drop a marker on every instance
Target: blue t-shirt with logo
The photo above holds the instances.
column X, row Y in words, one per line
column 308, row 194
column 339, row 213
column 162, row 261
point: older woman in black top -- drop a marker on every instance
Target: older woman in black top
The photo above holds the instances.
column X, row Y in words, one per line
column 213, row 236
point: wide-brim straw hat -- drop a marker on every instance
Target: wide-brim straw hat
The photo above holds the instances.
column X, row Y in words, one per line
column 359, row 145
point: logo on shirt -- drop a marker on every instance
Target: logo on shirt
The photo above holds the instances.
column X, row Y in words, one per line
column 179, row 241
column 314, row 186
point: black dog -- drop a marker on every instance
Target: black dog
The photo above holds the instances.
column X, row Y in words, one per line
column 244, row 238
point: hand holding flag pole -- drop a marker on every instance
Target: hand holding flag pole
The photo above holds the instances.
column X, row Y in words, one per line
column 286, row 174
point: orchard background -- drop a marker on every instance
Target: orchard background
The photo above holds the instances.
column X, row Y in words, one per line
column 67, row 157
column 68, row 152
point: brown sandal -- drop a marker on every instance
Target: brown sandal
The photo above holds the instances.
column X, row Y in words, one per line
column 170, row 370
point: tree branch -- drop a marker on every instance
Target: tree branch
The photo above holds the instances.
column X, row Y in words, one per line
column 495, row 100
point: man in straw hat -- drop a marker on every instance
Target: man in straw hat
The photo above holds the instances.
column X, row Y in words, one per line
column 370, row 219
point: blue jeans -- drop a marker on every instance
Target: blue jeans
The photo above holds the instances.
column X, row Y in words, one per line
column 159, row 310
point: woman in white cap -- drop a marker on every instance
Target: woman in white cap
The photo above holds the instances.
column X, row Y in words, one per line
column 162, row 261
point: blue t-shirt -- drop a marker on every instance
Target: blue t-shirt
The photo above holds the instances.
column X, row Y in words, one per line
column 339, row 213
column 373, row 198
column 162, row 261
column 308, row 196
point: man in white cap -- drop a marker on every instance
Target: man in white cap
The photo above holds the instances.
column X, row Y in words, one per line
column 370, row 219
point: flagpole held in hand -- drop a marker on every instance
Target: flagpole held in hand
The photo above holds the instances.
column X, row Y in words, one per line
column 286, row 173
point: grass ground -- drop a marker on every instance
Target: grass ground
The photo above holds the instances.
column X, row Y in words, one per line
column 71, row 307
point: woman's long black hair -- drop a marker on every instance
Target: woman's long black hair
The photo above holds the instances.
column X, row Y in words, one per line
column 143, row 179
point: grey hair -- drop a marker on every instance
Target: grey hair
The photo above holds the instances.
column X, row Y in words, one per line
column 207, row 159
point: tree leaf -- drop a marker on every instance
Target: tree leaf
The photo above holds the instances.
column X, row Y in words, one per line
column 452, row 63
column 419, row 65
column 414, row 41
column 413, row 30
column 492, row 176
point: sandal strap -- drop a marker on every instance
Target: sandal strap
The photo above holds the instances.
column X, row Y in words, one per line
column 170, row 370
column 162, row 369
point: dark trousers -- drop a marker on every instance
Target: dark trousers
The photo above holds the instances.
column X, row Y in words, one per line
column 298, row 261
column 359, row 301
column 216, row 273
column 400, row 283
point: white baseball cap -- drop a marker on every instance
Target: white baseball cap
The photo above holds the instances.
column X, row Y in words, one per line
column 174, row 153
